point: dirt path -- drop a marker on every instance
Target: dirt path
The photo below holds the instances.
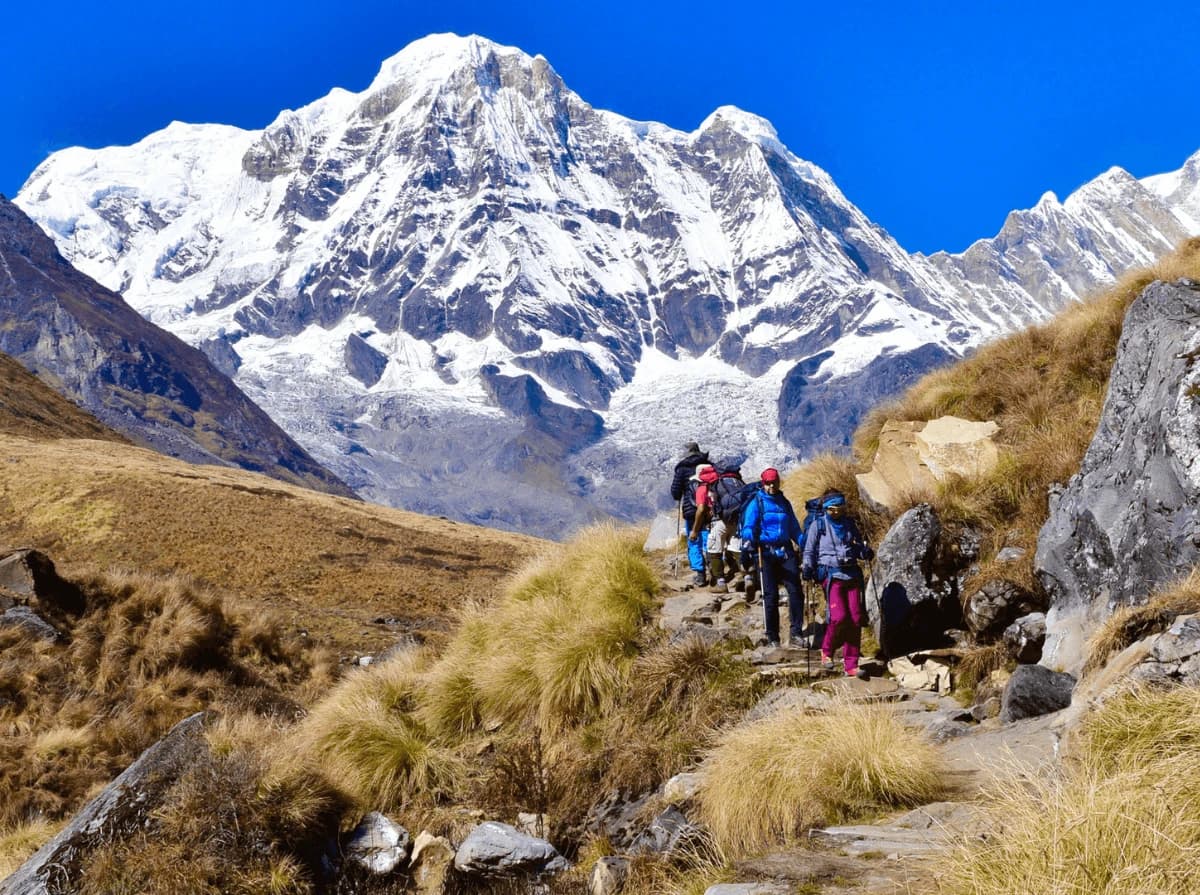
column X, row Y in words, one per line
column 896, row 854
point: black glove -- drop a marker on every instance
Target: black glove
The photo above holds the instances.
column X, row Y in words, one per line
column 865, row 552
column 747, row 558
column 808, row 573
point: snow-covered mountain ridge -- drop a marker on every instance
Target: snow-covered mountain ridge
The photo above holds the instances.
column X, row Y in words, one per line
column 468, row 292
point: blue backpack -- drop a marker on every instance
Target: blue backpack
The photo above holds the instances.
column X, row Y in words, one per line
column 813, row 511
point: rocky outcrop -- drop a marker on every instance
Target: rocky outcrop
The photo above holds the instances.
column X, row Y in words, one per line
column 995, row 605
column 913, row 597
column 1129, row 521
column 913, row 457
column 363, row 361
column 121, row 807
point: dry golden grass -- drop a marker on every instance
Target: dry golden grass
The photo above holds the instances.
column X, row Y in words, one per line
column 327, row 565
column 556, row 650
column 19, row 842
column 766, row 784
column 147, row 651
column 1132, row 623
column 1124, row 819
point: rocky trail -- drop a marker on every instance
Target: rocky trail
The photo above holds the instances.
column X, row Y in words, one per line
column 893, row 854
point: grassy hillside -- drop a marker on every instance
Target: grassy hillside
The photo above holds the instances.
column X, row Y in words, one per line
column 205, row 587
column 329, row 565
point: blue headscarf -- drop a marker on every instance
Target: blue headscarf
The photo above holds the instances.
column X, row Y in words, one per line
column 834, row 500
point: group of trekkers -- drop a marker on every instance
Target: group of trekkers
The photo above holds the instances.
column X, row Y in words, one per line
column 750, row 529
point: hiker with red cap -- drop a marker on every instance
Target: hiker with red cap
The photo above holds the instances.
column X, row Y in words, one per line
column 770, row 531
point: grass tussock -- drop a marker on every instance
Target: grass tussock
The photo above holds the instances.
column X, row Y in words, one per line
column 1130, row 624
column 368, row 739
column 768, row 783
column 1124, row 819
column 557, row 648
column 147, row 651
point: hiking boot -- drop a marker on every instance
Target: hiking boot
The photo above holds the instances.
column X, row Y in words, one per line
column 862, row 674
column 827, row 663
column 720, row 587
column 699, row 579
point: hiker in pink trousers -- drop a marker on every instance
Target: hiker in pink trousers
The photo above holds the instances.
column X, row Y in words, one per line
column 833, row 546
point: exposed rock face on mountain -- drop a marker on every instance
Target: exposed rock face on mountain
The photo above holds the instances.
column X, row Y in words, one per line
column 92, row 347
column 1129, row 521
column 380, row 270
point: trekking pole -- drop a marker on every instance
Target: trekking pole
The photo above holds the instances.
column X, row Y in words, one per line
column 807, row 631
column 678, row 534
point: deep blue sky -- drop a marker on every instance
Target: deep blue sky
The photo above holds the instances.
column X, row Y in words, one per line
column 935, row 118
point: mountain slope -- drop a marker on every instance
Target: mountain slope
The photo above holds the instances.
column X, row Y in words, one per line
column 31, row 409
column 467, row 268
column 90, row 345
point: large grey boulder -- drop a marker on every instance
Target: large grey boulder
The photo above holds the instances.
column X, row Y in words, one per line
column 913, row 597
column 121, row 807
column 498, row 849
column 1035, row 690
column 1127, row 522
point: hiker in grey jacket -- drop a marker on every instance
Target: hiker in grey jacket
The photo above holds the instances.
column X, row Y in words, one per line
column 833, row 547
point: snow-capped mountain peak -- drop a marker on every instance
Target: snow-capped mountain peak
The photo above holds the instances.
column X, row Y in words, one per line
column 465, row 266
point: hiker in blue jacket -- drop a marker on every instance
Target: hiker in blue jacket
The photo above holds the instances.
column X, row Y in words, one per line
column 769, row 534
column 832, row 550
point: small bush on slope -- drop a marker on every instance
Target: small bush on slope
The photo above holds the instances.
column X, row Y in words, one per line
column 768, row 783
column 1122, row 820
